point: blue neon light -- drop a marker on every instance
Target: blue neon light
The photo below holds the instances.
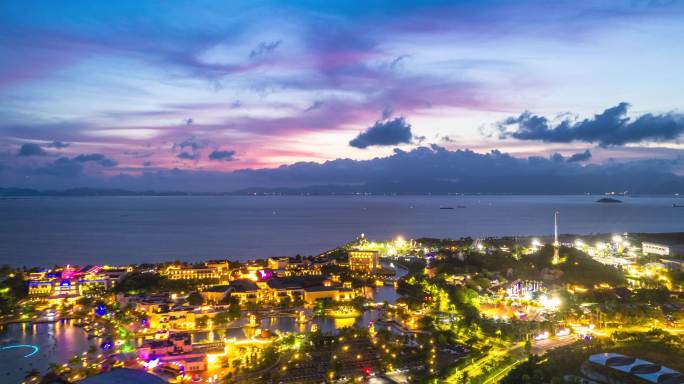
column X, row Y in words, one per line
column 35, row 348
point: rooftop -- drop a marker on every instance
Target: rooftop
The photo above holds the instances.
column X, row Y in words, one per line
column 123, row 376
column 652, row 373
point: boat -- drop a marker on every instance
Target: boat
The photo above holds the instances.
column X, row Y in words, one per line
column 446, row 207
column 675, row 205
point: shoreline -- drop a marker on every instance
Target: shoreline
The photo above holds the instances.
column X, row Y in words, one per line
column 676, row 237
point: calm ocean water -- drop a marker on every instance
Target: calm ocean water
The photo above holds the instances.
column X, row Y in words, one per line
column 80, row 230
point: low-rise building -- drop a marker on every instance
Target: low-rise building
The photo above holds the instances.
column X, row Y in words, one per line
column 216, row 294
column 176, row 354
column 183, row 272
column 245, row 290
column 337, row 293
column 306, row 289
column 655, row 249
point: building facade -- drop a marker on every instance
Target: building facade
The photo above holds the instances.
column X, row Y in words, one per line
column 655, row 249
column 364, row 261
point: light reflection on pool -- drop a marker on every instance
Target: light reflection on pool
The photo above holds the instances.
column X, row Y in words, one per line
column 53, row 343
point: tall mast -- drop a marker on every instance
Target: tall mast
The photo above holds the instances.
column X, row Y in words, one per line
column 555, row 229
column 556, row 243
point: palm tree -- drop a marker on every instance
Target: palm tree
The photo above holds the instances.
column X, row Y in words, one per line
column 53, row 367
column 32, row 373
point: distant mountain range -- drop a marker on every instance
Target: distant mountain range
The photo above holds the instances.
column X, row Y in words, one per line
column 27, row 192
column 421, row 171
column 322, row 190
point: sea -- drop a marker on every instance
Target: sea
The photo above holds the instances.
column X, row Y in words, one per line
column 44, row 231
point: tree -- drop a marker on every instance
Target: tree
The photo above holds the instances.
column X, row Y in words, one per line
column 528, row 347
column 223, row 318
column 139, row 282
column 32, row 373
column 286, row 302
column 234, row 308
column 195, row 299
column 201, row 321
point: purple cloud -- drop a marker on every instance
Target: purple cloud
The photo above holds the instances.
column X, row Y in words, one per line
column 189, row 156
column 31, row 149
column 98, row 158
column 222, row 155
column 580, row 156
column 610, row 127
column 383, row 133
column 58, row 144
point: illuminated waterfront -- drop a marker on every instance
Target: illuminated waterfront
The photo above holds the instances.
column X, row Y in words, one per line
column 410, row 309
column 56, row 343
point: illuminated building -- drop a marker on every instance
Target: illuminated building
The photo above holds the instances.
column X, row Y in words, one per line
column 278, row 262
column 175, row 354
column 215, row 294
column 313, row 294
column 278, row 289
column 363, row 261
column 520, row 288
column 175, row 344
column 656, row 249
column 175, row 318
column 220, row 268
column 246, row 291
column 69, row 282
column 40, row 288
column 177, row 272
column 288, row 266
column 306, row 289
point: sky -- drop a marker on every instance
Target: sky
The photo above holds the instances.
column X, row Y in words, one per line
column 224, row 95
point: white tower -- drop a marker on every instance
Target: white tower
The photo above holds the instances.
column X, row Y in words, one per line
column 556, row 244
column 555, row 229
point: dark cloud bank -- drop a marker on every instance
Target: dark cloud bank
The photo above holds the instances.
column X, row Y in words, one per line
column 382, row 133
column 422, row 170
column 609, row 128
column 222, row 155
column 31, row 149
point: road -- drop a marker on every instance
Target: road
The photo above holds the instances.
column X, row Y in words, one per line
column 516, row 351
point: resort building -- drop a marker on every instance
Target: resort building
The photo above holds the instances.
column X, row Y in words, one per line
column 176, row 318
column 364, row 261
column 215, row 294
column 305, row 289
column 221, row 268
column 655, row 249
column 175, row 354
column 292, row 266
column 181, row 272
column 246, row 291
column 313, row 294
column 278, row 262
column 69, row 282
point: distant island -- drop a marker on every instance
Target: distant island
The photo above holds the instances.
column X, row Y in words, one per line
column 608, row 200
